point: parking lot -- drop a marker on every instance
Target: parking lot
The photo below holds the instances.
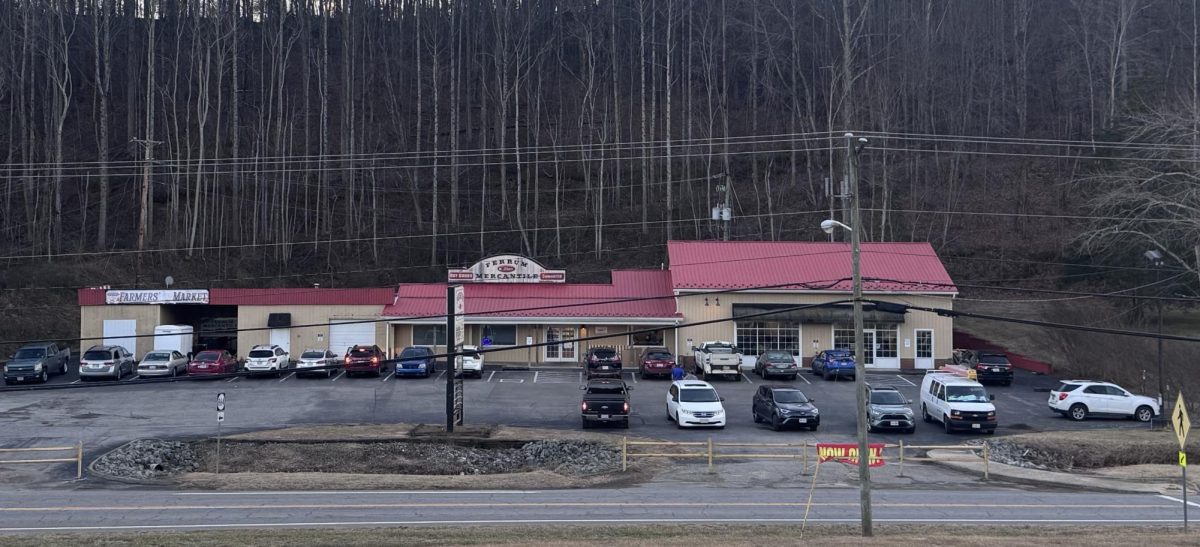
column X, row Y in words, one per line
column 104, row 415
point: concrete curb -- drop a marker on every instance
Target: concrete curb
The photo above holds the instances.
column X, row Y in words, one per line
column 999, row 471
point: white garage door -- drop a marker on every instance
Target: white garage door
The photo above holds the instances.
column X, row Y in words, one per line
column 282, row 338
column 121, row 332
column 344, row 335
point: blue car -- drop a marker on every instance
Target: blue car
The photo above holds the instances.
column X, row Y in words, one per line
column 833, row 363
column 415, row 361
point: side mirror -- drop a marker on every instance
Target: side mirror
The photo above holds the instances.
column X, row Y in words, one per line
column 628, row 388
column 910, row 401
column 722, row 399
column 582, row 388
column 811, row 400
column 991, row 397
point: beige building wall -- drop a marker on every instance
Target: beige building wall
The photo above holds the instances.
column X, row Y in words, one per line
column 720, row 306
column 255, row 317
column 402, row 337
column 91, row 324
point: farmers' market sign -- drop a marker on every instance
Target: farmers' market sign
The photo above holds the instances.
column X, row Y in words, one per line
column 194, row 296
column 507, row 269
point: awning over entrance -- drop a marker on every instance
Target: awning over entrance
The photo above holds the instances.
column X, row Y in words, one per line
column 835, row 313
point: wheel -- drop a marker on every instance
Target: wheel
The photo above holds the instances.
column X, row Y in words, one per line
column 1143, row 414
column 776, row 425
column 990, row 432
column 174, row 372
column 737, row 377
column 754, row 413
column 625, row 424
column 812, row 428
column 585, row 423
column 1008, row 382
column 678, row 423
column 669, row 416
column 793, row 377
column 911, row 430
column 946, row 424
column 45, row 375
column 65, row 368
column 643, row 374
column 278, row 372
column 925, row 415
column 1078, row 412
column 825, row 375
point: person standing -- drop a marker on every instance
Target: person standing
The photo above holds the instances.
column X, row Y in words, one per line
column 677, row 372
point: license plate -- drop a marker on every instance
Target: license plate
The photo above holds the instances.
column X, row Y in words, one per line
column 201, row 366
column 604, row 416
column 974, row 426
column 605, row 367
column 20, row 378
column 994, row 369
column 802, row 420
column 894, row 423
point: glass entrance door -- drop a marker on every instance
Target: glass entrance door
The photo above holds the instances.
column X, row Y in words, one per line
column 563, row 351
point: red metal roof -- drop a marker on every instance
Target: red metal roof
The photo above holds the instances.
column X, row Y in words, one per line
column 800, row 265
column 652, row 287
column 302, row 296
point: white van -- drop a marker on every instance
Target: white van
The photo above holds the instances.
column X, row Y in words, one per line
column 958, row 403
column 692, row 403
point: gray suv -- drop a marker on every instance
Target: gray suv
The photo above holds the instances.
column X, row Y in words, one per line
column 889, row 409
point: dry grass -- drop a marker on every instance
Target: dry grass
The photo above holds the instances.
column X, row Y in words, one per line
column 1103, row 449
column 347, row 481
column 665, row 534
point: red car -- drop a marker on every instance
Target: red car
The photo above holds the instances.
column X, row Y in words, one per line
column 656, row 361
column 213, row 361
column 368, row 359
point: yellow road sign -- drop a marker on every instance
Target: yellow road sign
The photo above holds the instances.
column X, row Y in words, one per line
column 1182, row 459
column 1180, row 421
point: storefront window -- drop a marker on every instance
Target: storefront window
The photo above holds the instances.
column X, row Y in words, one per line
column 652, row 338
column 429, row 335
column 499, row 335
column 753, row 338
column 884, row 336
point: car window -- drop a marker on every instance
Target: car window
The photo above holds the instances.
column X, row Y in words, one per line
column 1096, row 390
column 941, row 392
column 261, row 353
column 699, row 395
column 1066, row 387
column 604, row 353
column 993, row 359
column 605, row 389
column 30, row 354
column 658, row 355
column 966, row 394
column 838, row 354
column 410, row 353
column 1114, row 390
column 208, row 356
column 367, row 352
column 777, row 356
column 674, row 391
column 312, row 355
column 157, row 356
column 790, row 396
column 888, row 398
column 97, row 355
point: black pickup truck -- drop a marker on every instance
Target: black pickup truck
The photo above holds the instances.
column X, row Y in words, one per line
column 605, row 401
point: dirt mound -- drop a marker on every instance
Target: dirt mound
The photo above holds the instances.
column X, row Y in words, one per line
column 1067, row 450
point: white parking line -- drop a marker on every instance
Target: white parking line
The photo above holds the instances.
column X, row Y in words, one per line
column 535, row 375
column 1177, row 500
column 284, row 379
column 231, row 380
column 906, row 380
column 513, row 380
column 389, row 376
column 439, row 376
column 746, row 377
column 76, row 381
column 491, row 375
column 581, row 376
column 634, row 376
column 804, row 377
column 340, row 374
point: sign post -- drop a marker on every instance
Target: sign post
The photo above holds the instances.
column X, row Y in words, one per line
column 455, row 335
column 220, row 418
column 1181, row 424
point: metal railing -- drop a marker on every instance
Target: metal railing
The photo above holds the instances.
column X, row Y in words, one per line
column 711, row 452
column 77, row 458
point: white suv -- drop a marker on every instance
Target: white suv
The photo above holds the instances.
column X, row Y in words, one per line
column 1078, row 399
column 692, row 403
column 472, row 362
column 268, row 359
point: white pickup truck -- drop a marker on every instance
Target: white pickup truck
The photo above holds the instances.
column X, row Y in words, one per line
column 719, row 359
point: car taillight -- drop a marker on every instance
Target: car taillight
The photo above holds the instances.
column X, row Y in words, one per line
column 1062, row 396
column 594, row 359
column 374, row 360
column 583, row 406
column 626, row 408
column 347, row 360
column 980, row 367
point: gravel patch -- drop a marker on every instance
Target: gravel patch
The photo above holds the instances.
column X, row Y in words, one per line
column 148, row 459
column 156, row 459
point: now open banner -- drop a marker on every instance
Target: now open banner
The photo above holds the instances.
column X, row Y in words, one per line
column 848, row 453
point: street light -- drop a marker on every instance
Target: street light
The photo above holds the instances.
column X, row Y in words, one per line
column 1156, row 259
column 860, row 383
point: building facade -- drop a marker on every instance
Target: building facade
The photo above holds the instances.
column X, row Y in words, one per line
column 789, row 296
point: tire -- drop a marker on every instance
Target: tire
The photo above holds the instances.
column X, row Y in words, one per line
column 678, row 424
column 812, row 428
column 925, row 415
column 825, row 375
column 278, row 372
column 754, row 414
column 45, row 375
column 990, row 432
column 776, row 425
column 911, row 430
column 1078, row 412
column 174, row 372
column 946, row 424
column 625, row 424
column 1143, row 414
column 1008, row 383
column 737, row 377
column 585, row 423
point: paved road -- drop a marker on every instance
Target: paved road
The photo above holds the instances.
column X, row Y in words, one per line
column 84, row 510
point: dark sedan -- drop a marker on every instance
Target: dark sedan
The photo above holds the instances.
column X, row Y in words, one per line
column 776, row 363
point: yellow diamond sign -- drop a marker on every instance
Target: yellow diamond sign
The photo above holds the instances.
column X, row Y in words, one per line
column 1180, row 421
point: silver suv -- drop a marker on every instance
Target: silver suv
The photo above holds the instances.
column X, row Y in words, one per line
column 889, row 409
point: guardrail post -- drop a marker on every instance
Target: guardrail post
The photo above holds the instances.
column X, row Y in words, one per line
column 985, row 460
column 710, row 454
column 79, row 462
column 901, row 458
column 804, row 452
column 624, row 453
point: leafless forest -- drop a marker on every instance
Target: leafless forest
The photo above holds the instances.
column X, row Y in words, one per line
column 397, row 136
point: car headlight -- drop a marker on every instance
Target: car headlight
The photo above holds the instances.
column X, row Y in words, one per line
column 720, row 412
column 37, row 367
column 815, row 412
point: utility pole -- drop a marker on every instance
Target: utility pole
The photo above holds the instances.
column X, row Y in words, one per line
column 860, row 386
column 148, row 155
column 723, row 211
column 1156, row 260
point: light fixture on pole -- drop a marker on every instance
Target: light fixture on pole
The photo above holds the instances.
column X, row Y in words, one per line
column 860, row 397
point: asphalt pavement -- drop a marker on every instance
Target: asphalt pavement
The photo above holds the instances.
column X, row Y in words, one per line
column 84, row 510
